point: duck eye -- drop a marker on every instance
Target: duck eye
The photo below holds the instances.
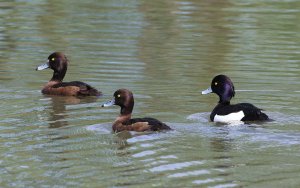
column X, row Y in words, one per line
column 216, row 83
column 52, row 59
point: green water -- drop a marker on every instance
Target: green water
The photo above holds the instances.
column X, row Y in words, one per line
column 166, row 52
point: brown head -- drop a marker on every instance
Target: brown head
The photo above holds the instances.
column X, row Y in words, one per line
column 58, row 62
column 124, row 99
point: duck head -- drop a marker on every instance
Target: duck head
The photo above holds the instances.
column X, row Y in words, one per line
column 124, row 99
column 223, row 87
column 58, row 62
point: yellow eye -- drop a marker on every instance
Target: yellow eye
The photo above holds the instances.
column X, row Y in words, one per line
column 216, row 83
column 52, row 59
column 119, row 96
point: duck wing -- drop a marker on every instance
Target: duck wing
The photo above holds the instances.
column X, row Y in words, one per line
column 147, row 123
column 82, row 88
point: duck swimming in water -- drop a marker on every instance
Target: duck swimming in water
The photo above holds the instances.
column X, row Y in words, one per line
column 58, row 62
column 225, row 112
column 124, row 99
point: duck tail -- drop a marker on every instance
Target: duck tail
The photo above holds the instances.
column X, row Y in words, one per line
column 263, row 117
column 90, row 91
column 160, row 127
column 94, row 92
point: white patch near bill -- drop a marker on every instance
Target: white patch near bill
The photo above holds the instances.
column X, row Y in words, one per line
column 237, row 116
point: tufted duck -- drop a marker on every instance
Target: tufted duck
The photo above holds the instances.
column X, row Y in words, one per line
column 225, row 112
column 124, row 99
column 58, row 62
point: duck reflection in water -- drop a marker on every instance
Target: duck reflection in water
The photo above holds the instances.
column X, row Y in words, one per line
column 58, row 114
column 222, row 144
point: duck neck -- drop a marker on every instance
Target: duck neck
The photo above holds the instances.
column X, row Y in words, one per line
column 226, row 96
column 122, row 118
column 225, row 99
column 224, row 102
column 125, row 110
column 127, row 107
column 59, row 75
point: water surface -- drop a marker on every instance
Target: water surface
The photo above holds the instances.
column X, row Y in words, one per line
column 166, row 52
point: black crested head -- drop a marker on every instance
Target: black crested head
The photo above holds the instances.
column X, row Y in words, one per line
column 223, row 87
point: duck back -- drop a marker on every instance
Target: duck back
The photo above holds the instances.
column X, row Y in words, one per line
column 74, row 88
column 154, row 124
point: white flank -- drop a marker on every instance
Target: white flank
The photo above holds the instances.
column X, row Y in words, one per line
column 237, row 116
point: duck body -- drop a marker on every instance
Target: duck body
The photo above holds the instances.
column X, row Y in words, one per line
column 140, row 125
column 225, row 112
column 58, row 62
column 124, row 122
column 74, row 88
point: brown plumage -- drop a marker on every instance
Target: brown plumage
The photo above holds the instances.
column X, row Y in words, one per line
column 58, row 62
column 124, row 99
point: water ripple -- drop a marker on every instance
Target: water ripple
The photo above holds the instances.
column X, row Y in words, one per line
column 175, row 166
